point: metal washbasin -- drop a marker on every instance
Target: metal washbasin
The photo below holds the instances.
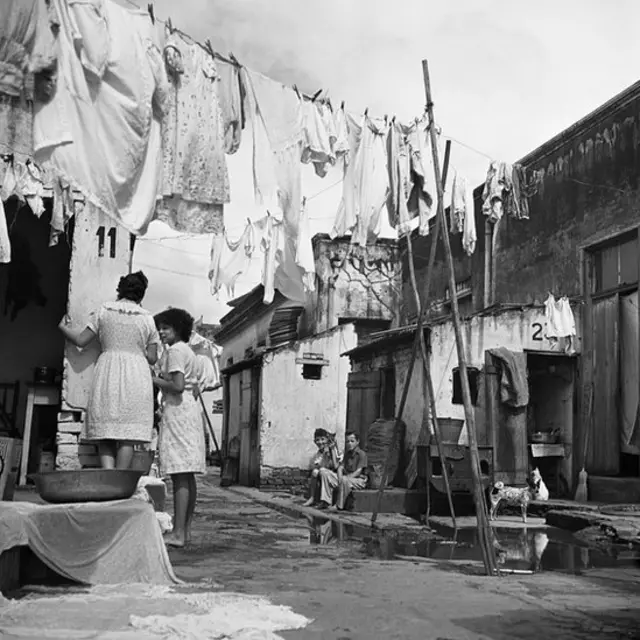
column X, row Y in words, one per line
column 87, row 485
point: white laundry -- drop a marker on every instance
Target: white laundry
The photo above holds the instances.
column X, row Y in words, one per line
column 207, row 361
column 62, row 210
column 276, row 117
column 370, row 182
column 304, row 251
column 271, row 231
column 346, row 219
column 98, row 131
column 32, row 188
column 316, row 145
column 423, row 199
column 398, row 167
column 462, row 212
column 341, row 144
column 559, row 317
column 230, row 259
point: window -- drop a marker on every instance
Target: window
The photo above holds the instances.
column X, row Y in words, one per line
column 615, row 264
column 473, row 385
column 312, row 371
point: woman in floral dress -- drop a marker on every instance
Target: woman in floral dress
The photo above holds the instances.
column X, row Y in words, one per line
column 181, row 443
column 120, row 408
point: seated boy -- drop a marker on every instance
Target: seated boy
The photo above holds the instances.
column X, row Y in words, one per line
column 327, row 457
column 351, row 474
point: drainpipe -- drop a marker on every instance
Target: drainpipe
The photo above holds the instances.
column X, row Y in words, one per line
column 488, row 251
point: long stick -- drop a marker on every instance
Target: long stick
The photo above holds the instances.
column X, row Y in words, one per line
column 417, row 343
column 484, row 531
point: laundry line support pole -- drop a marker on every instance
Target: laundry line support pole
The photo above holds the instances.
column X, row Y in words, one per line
column 418, row 343
column 485, row 534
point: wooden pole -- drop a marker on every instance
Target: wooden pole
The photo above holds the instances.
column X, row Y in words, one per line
column 484, row 529
column 419, row 343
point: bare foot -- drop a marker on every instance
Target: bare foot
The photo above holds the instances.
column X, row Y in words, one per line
column 173, row 540
column 332, row 508
column 308, row 503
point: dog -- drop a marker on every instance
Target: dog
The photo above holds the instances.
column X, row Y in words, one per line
column 518, row 496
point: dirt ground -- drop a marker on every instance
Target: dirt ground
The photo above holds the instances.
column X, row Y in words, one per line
column 350, row 594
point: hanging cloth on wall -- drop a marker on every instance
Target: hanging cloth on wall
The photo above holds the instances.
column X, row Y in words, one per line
column 560, row 322
column 98, row 132
column 462, row 212
column 229, row 260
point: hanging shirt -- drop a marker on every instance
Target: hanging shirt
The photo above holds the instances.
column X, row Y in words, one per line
column 462, row 213
column 230, row 95
column 498, row 188
column 229, row 260
column 98, row 131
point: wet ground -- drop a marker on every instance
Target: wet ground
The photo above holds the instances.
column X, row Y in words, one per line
column 358, row 585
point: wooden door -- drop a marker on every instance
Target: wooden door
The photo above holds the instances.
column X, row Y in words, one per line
column 506, row 429
column 603, row 455
column 254, row 429
column 363, row 402
column 100, row 255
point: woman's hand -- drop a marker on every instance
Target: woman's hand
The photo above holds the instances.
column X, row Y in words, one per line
column 65, row 322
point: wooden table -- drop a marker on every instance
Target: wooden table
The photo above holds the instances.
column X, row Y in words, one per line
column 39, row 395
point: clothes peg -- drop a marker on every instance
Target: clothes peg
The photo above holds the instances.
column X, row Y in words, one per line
column 209, row 48
column 304, row 201
column 169, row 25
column 315, row 96
column 366, row 112
column 234, row 59
column 342, row 105
column 152, row 14
column 295, row 88
column 386, row 119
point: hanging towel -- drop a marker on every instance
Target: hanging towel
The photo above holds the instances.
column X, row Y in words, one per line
column 514, row 387
column 341, row 144
column 98, row 132
column 462, row 212
column 230, row 259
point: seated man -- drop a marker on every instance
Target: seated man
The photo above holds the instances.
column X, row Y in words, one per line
column 351, row 475
column 327, row 457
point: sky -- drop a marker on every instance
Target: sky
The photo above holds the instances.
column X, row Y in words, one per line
column 506, row 76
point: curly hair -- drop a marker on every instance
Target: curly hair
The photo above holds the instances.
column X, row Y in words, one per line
column 178, row 319
column 133, row 287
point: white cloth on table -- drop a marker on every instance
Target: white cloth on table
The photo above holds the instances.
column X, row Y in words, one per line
column 462, row 212
column 121, row 398
column 229, row 260
column 98, row 132
column 182, row 443
column 93, row 543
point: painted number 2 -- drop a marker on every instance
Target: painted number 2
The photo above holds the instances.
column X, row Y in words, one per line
column 537, row 332
column 102, row 236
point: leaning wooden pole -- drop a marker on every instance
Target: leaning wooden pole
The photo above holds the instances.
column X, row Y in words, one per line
column 418, row 343
column 484, row 530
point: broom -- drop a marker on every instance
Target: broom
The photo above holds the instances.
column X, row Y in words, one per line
column 581, row 491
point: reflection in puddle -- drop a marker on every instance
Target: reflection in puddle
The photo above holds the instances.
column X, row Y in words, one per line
column 517, row 550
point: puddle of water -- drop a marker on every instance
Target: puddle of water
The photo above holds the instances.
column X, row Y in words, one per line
column 519, row 550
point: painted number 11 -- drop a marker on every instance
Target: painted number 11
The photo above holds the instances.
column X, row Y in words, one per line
column 102, row 236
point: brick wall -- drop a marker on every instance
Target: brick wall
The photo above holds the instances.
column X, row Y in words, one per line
column 72, row 452
column 284, row 478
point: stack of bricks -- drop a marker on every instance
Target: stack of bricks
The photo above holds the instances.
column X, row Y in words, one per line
column 72, row 452
column 284, row 479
